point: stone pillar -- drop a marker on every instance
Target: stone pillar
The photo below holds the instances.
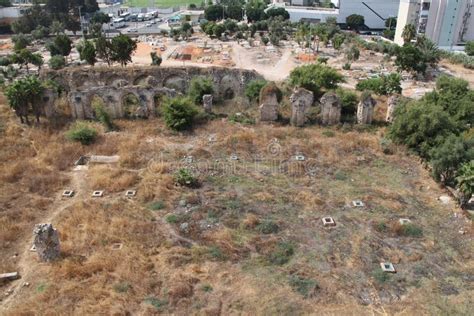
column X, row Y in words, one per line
column 365, row 109
column 269, row 103
column 46, row 242
column 207, row 103
column 301, row 100
column 330, row 109
column 392, row 104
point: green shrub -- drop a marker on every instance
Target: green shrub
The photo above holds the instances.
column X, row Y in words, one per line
column 252, row 89
column 172, row 219
column 411, row 230
column 179, row 113
column 381, row 227
column 102, row 115
column 346, row 66
column 349, row 101
column 207, row 288
column 216, row 253
column 184, row 177
column 122, row 287
column 328, row 133
column 157, row 205
column 156, row 303
column 57, row 62
column 242, row 118
column 199, row 87
column 281, row 254
column 315, row 77
column 305, row 287
column 82, row 132
column 155, row 59
column 268, row 227
column 383, row 85
column 381, row 276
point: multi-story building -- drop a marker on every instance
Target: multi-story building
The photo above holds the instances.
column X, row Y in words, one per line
column 375, row 12
column 446, row 22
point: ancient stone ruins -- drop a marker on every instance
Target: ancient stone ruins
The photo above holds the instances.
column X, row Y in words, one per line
column 269, row 103
column 365, row 109
column 147, row 84
column 46, row 242
column 330, row 109
column 207, row 103
column 392, row 103
column 301, row 100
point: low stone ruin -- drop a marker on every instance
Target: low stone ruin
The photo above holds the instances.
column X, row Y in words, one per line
column 330, row 109
column 365, row 110
column 301, row 100
column 392, row 104
column 46, row 242
column 207, row 103
column 269, row 103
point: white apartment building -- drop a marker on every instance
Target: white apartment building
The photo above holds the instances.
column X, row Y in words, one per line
column 448, row 23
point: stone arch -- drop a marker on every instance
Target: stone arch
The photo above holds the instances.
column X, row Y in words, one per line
column 175, row 82
column 145, row 81
column 228, row 87
column 133, row 105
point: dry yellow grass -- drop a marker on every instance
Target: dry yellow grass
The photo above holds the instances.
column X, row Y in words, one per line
column 220, row 262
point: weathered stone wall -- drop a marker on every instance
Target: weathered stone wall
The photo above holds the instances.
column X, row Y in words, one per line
column 330, row 109
column 113, row 84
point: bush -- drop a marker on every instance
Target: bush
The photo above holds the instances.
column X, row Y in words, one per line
column 179, row 113
column 57, row 62
column 281, row 254
column 184, row 177
column 349, row 102
column 253, row 88
column 381, row 276
column 383, row 85
column 306, row 287
column 242, row 118
column 172, row 219
column 156, row 206
column 346, row 66
column 315, row 77
column 82, row 132
column 268, row 227
column 199, row 87
column 409, row 230
column 469, row 49
column 102, row 115
column 155, row 59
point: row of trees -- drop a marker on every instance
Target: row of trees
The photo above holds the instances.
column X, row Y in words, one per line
column 118, row 49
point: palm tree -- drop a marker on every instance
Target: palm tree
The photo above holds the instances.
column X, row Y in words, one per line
column 409, row 33
column 429, row 49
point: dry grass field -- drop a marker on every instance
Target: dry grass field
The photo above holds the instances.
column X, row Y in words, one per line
column 247, row 240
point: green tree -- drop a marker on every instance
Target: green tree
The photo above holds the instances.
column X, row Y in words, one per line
column 214, row 12
column 384, row 85
column 465, row 181
column 199, row 87
column 155, row 59
column 409, row 33
column 253, row 88
column 355, row 21
column 315, row 77
column 421, row 125
column 255, row 10
column 274, row 12
column 100, row 17
column 446, row 157
column 103, row 48
column 40, row 32
column 122, row 49
column 21, row 41
column 391, row 23
column 87, row 52
column 57, row 62
column 411, row 59
column 218, row 29
column 352, row 54
column 338, row 40
column 61, row 45
column 37, row 60
column 234, row 12
column 23, row 94
column 429, row 50
column 179, row 113
column 469, row 48
column 57, row 27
